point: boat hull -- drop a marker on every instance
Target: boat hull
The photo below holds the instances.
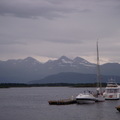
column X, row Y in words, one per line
column 85, row 101
column 112, row 96
column 100, row 98
column 85, row 98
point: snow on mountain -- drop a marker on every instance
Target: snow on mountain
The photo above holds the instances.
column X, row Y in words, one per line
column 65, row 60
column 62, row 61
column 31, row 60
column 81, row 61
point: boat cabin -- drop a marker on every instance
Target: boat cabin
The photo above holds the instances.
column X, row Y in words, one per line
column 116, row 90
column 112, row 84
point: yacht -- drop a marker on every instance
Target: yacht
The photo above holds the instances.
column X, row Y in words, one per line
column 112, row 91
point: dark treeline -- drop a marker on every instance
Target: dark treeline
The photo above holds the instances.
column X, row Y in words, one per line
column 9, row 85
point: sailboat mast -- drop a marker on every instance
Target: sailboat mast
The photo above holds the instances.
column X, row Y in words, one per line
column 98, row 69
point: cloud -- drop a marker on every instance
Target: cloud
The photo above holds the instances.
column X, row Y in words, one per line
column 37, row 8
column 6, row 39
column 52, row 8
column 55, row 27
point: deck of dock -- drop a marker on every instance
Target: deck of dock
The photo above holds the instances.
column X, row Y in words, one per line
column 118, row 108
column 62, row 102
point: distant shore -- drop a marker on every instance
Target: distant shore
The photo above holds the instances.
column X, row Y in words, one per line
column 11, row 85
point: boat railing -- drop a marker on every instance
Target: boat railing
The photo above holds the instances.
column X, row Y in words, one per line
column 111, row 85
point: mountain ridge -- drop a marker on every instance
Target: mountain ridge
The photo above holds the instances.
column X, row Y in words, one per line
column 28, row 69
column 73, row 78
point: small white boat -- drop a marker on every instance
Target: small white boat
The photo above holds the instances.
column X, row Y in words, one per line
column 112, row 91
column 85, row 98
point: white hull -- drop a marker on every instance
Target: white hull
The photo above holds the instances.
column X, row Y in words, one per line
column 112, row 96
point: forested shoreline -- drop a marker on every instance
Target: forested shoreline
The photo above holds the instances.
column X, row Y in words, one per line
column 11, row 85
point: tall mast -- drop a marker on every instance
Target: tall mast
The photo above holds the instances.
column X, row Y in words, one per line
column 98, row 69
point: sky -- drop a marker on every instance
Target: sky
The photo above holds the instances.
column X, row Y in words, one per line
column 49, row 29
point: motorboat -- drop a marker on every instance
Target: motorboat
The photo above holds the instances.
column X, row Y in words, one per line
column 112, row 91
column 85, row 98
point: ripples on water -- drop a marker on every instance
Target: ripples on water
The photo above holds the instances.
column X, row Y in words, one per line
column 32, row 104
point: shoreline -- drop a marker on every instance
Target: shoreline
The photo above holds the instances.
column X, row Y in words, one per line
column 11, row 85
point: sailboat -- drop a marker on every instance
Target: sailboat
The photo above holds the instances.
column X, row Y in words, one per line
column 99, row 93
column 85, row 98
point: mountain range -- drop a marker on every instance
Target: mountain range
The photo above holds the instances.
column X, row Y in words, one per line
column 29, row 69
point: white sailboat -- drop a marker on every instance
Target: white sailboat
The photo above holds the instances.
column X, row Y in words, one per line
column 88, row 97
column 99, row 95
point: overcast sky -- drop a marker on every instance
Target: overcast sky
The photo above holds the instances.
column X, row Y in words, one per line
column 51, row 28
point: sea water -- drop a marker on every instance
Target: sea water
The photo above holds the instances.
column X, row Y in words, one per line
column 32, row 104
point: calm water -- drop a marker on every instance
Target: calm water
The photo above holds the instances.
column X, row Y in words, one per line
column 32, row 104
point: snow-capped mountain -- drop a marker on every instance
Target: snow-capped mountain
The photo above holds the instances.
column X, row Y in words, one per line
column 61, row 61
column 28, row 69
column 28, row 60
column 65, row 61
column 81, row 61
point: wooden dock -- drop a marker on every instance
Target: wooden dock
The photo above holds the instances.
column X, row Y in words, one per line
column 62, row 102
column 118, row 108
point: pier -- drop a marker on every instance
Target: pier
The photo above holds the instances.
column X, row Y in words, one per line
column 62, row 102
column 118, row 108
